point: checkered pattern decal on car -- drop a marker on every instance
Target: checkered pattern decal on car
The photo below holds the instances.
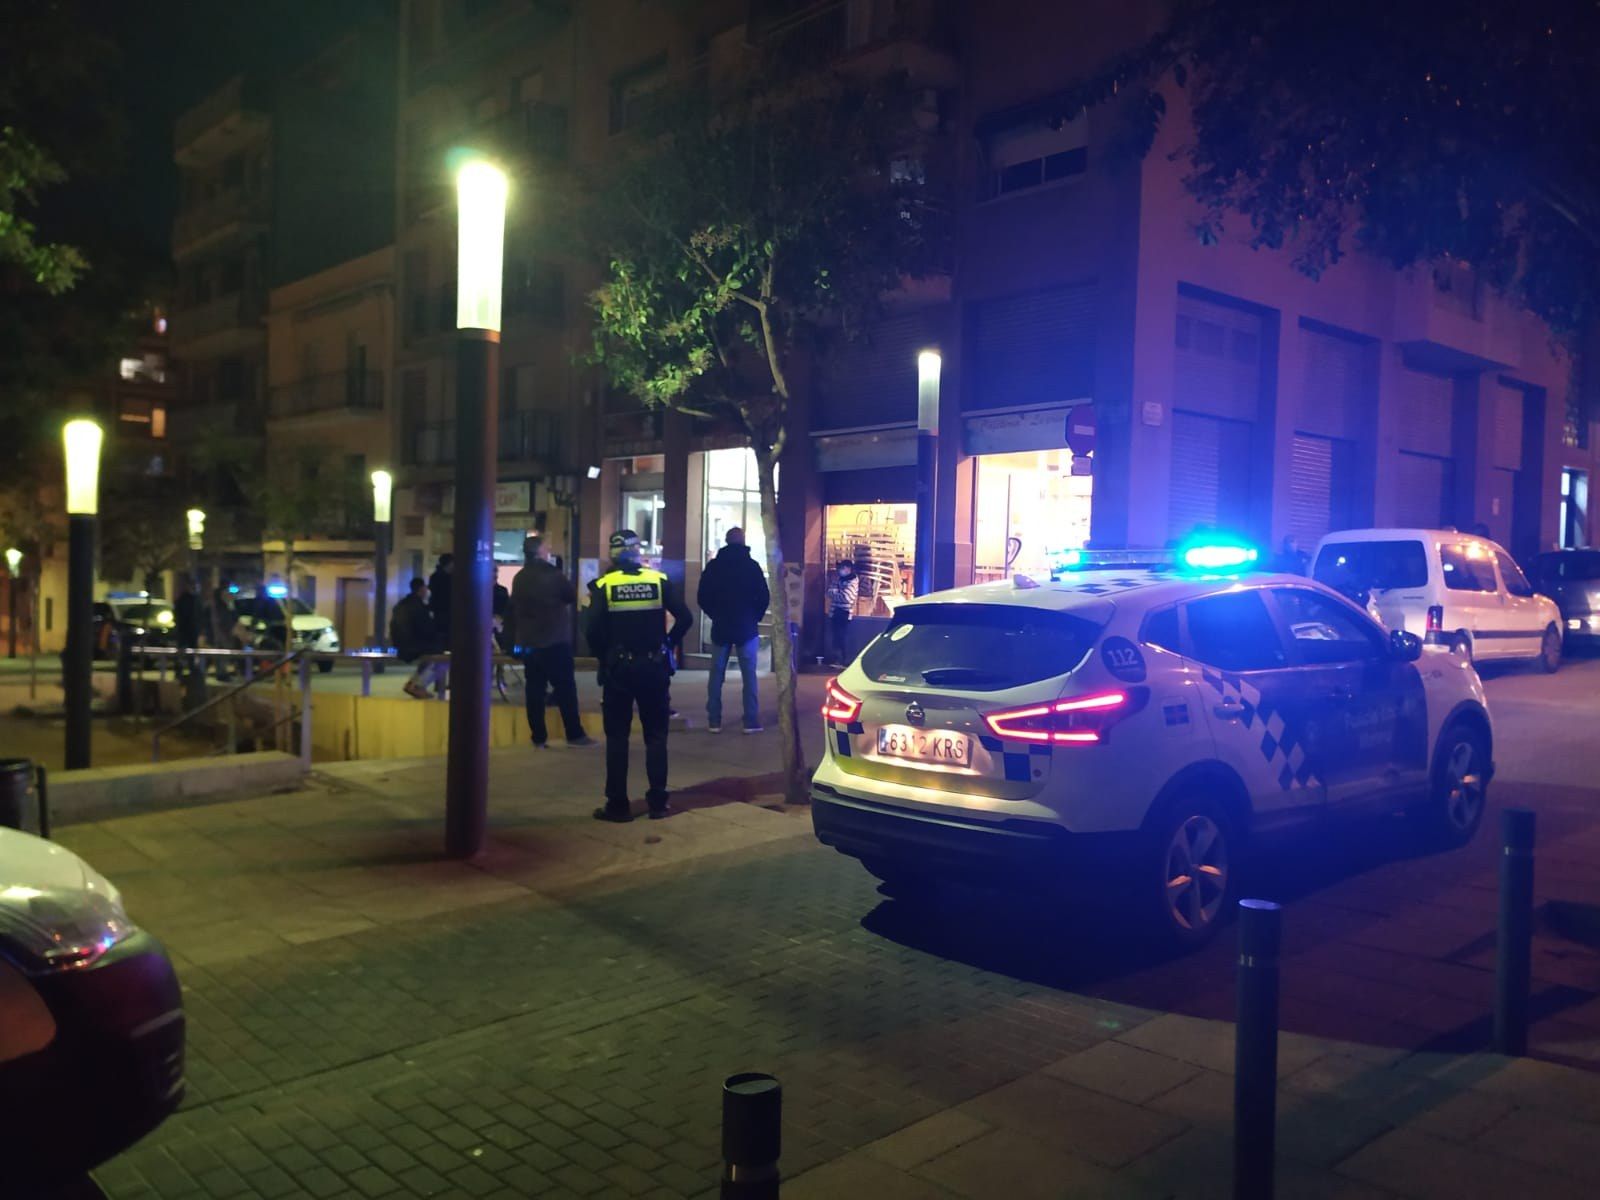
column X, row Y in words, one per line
column 841, row 736
column 1280, row 744
column 1017, row 757
column 1116, row 583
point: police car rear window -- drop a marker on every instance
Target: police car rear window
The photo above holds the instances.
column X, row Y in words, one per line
column 977, row 647
column 1363, row 566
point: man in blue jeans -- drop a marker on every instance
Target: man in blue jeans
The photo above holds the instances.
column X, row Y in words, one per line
column 733, row 593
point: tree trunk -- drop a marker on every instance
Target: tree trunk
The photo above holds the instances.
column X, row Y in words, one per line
column 796, row 777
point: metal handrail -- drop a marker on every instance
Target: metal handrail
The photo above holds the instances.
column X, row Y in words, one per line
column 269, row 673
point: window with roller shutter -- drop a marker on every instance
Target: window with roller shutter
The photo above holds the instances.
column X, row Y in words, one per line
column 1422, row 494
column 1211, row 475
column 1036, row 348
column 873, row 379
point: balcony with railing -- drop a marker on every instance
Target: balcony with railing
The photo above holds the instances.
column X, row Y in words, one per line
column 229, row 321
column 235, row 211
column 871, row 36
column 524, row 437
column 347, row 393
column 229, row 118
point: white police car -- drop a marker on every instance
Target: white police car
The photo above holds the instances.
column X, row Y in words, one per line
column 1159, row 715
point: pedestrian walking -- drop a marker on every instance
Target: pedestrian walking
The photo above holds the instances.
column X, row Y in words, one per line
column 540, row 632
column 186, row 615
column 843, row 589
column 439, row 590
column 416, row 638
column 733, row 593
column 627, row 607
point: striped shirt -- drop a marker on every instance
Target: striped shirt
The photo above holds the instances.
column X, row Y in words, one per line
column 842, row 593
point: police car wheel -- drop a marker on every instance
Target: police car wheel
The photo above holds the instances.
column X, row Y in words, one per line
column 1194, row 871
column 1550, row 652
column 1460, row 785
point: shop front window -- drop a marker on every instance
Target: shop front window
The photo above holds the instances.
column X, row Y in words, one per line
column 733, row 499
column 1031, row 508
column 641, row 512
column 880, row 539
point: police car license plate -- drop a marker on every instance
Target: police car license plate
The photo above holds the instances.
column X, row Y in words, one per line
column 925, row 745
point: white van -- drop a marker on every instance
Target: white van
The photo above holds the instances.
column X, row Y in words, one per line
column 1457, row 590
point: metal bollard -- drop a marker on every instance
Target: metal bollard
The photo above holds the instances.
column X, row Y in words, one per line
column 42, row 783
column 1514, row 944
column 752, row 1136
column 1255, row 1084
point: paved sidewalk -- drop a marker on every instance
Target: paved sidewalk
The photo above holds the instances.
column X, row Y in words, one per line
column 555, row 1018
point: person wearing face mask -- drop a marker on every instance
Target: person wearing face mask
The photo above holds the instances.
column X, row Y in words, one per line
column 842, row 591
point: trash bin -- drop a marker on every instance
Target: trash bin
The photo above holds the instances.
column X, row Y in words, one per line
column 16, row 784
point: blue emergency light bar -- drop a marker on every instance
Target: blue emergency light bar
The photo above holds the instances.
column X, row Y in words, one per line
column 277, row 591
column 1207, row 556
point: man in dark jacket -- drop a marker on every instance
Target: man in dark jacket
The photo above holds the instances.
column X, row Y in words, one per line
column 539, row 626
column 439, row 594
column 415, row 637
column 733, row 593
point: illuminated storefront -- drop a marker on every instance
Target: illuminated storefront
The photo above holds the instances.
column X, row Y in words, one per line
column 1030, row 507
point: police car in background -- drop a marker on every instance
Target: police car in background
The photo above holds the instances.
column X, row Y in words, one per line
column 1154, row 711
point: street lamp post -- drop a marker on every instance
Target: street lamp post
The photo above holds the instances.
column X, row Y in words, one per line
column 929, row 365
column 481, row 210
column 382, row 514
column 13, row 573
column 81, row 442
column 197, row 539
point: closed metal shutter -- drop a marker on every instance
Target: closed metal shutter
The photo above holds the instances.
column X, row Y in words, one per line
column 1036, row 348
column 1423, row 496
column 1502, row 505
column 1507, row 425
column 1210, row 473
column 1333, row 386
column 873, row 380
column 1310, row 488
column 1218, row 363
column 1427, row 414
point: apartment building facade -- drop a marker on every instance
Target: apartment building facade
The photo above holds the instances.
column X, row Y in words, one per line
column 1209, row 384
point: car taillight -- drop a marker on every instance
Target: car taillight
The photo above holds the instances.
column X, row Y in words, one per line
column 838, row 704
column 1435, row 618
column 1080, row 719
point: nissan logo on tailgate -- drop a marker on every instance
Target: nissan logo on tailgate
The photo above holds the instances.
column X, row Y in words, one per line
column 914, row 713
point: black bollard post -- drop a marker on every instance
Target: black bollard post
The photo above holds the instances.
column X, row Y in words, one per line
column 1255, row 1084
column 42, row 783
column 1514, row 945
column 752, row 1136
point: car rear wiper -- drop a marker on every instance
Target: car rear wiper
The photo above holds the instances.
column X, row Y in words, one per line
column 969, row 675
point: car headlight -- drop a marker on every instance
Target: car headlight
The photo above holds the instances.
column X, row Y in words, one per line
column 164, row 618
column 50, row 930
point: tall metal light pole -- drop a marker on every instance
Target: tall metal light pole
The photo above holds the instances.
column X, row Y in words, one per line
column 929, row 364
column 197, row 539
column 81, row 442
column 13, row 573
column 382, row 514
column 481, row 213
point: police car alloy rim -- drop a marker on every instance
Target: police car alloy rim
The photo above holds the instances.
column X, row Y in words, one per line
column 1196, row 872
column 1464, row 782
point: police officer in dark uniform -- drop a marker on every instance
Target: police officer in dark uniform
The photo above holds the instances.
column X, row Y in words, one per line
column 628, row 606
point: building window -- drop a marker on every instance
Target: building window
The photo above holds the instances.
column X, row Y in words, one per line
column 632, row 90
column 1574, row 508
column 536, row 288
column 880, row 539
column 1034, row 154
column 1031, row 507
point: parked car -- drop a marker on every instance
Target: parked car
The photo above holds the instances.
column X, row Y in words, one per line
column 137, row 618
column 1151, row 722
column 91, row 1018
column 270, row 619
column 1572, row 579
column 1457, row 590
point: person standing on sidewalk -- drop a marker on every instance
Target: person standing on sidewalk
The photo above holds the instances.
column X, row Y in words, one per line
column 843, row 589
column 627, row 606
column 539, row 628
column 733, row 593
column 439, row 594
